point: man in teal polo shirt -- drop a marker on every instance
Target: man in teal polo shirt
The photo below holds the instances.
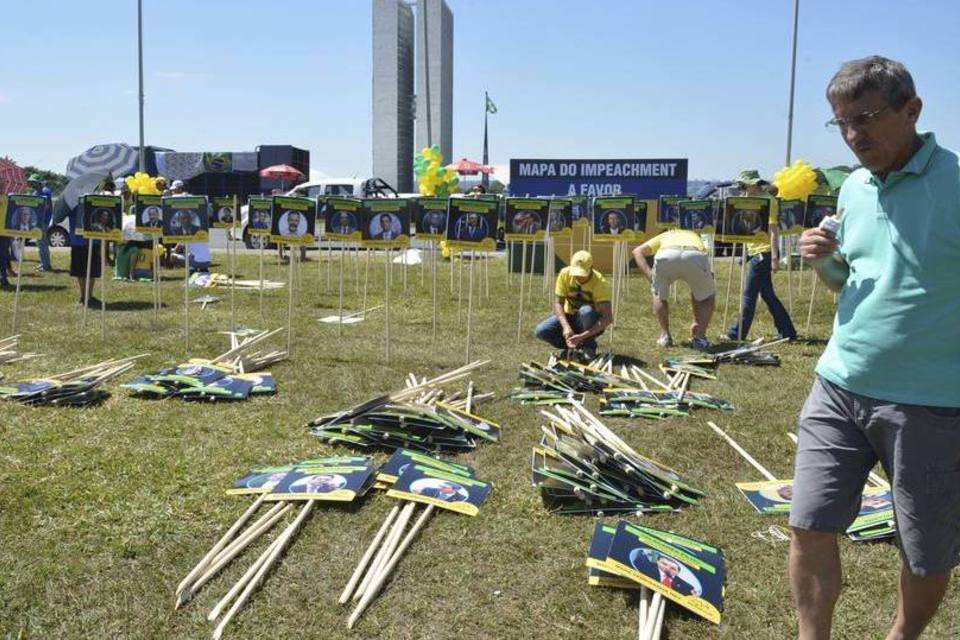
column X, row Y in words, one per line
column 888, row 384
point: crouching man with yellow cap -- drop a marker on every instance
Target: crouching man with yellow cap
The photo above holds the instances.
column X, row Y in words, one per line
column 581, row 308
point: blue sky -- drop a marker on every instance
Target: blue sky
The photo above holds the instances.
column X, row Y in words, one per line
column 701, row 79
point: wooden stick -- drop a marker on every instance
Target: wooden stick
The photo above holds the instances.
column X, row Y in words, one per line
column 726, row 300
column 523, row 268
column 813, row 295
column 232, row 550
column 434, row 251
column 377, row 583
column 459, row 286
column 262, row 242
column 368, row 555
column 746, row 456
column 86, row 283
column 656, row 603
column 222, row 542
column 156, row 277
column 386, row 305
column 16, row 294
column 267, row 564
column 366, row 282
column 657, row 629
column 470, row 308
column 386, row 550
column 293, row 251
column 232, row 249
column 186, row 297
column 244, row 580
column 743, row 286
column 340, row 324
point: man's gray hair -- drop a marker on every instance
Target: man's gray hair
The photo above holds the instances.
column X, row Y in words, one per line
column 875, row 73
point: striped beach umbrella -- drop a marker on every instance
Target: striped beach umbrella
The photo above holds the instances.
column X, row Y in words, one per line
column 116, row 159
column 13, row 179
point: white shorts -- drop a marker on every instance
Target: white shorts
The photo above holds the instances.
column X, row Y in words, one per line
column 680, row 263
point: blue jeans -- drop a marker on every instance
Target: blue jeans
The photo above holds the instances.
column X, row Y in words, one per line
column 43, row 245
column 760, row 285
column 551, row 331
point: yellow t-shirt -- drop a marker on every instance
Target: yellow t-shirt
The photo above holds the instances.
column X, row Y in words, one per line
column 674, row 238
column 575, row 295
column 756, row 248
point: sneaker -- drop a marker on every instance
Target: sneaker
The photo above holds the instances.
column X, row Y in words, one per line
column 93, row 303
column 700, row 343
column 40, row 268
column 665, row 341
column 788, row 338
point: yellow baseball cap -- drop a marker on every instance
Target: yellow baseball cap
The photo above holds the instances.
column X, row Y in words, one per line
column 581, row 264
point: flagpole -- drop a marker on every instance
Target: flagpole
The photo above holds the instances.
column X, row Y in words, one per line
column 142, row 159
column 485, row 177
column 793, row 76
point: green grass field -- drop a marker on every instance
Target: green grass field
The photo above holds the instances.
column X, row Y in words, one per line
column 104, row 510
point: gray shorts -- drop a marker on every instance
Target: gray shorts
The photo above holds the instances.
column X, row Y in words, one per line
column 843, row 434
column 682, row 263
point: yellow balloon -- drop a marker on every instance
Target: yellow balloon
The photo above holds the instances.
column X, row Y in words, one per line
column 795, row 182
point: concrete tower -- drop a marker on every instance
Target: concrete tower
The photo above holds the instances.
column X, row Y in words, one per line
column 435, row 76
column 393, row 49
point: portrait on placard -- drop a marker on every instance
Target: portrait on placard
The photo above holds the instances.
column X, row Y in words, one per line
column 817, row 208
column 22, row 216
column 697, row 215
column 744, row 219
column 472, row 224
column 148, row 213
column 525, row 219
column 790, row 217
column 223, row 213
column 342, row 219
column 293, row 220
column 430, row 217
column 559, row 224
column 613, row 218
column 102, row 217
column 185, row 219
column 259, row 216
column 668, row 211
column 385, row 222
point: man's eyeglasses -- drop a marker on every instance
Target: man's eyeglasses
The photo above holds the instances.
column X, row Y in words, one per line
column 864, row 119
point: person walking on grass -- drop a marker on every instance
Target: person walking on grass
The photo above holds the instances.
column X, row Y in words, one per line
column 886, row 386
column 39, row 188
column 679, row 254
column 581, row 308
column 764, row 260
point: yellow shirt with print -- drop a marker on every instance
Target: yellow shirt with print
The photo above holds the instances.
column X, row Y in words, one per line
column 675, row 238
column 756, row 248
column 575, row 295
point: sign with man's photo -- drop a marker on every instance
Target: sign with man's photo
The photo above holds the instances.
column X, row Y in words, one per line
column 526, row 219
column 430, row 217
column 223, row 213
column 148, row 213
column 259, row 216
column 697, row 215
column 341, row 219
column 293, row 221
column 385, row 223
column 22, row 217
column 102, row 217
column 818, row 208
column 613, row 218
column 185, row 219
column 744, row 219
column 472, row 224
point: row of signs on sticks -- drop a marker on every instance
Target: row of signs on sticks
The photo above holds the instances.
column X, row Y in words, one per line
column 463, row 222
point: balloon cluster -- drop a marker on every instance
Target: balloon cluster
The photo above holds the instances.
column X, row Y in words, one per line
column 435, row 179
column 143, row 184
column 795, row 182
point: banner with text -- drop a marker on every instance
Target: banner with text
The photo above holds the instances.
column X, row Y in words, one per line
column 641, row 178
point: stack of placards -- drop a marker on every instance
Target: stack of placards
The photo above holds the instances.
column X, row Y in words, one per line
column 331, row 479
column 415, row 479
column 9, row 351
column 77, row 388
column 566, row 377
column 875, row 520
column 673, row 567
column 389, row 425
column 642, row 403
column 202, row 380
column 581, row 466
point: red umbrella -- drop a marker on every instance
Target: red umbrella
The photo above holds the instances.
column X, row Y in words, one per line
column 283, row 173
column 469, row 168
column 13, row 179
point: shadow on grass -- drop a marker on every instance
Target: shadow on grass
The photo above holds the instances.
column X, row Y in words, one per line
column 132, row 305
column 40, row 287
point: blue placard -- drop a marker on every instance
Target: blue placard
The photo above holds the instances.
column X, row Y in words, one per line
column 640, row 178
